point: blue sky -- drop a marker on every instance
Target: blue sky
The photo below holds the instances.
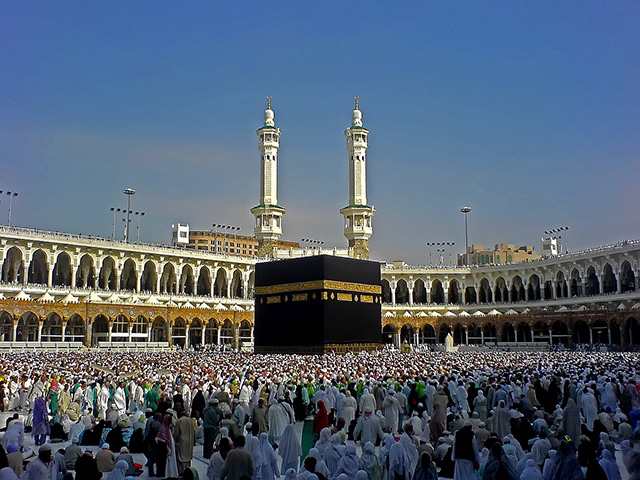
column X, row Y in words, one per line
column 527, row 111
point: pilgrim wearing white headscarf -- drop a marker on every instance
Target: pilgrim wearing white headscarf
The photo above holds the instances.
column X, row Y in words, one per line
column 253, row 445
column 531, row 471
column 370, row 462
column 609, row 465
column 321, row 467
column 268, row 458
column 7, row 474
column 348, row 463
column 590, row 408
column 289, row 449
column 333, row 453
column 119, row 472
column 349, row 405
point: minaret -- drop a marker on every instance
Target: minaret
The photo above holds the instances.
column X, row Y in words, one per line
column 357, row 214
column 268, row 213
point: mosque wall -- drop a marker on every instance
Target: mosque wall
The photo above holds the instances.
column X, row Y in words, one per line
column 71, row 288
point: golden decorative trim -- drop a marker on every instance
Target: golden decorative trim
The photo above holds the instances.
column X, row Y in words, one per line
column 345, row 297
column 319, row 285
column 274, row 299
column 366, row 298
column 324, row 295
column 299, row 297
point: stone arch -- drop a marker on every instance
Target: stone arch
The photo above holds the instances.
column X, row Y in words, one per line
column 149, row 277
column 187, row 282
column 419, row 292
column 616, row 334
column 139, row 328
column 485, row 295
column 507, row 333
column 129, row 276
column 386, row 291
column 459, row 335
column 517, row 289
column 28, row 326
column 168, row 280
column 6, row 326
column 52, row 328
column 609, row 281
column 408, row 334
column 470, row 296
column 86, row 273
column 632, row 331
column 204, row 282
column 593, row 283
column 443, row 332
column 120, row 329
column 195, row 332
column 237, row 284
column 388, row 334
column 524, row 332
column 454, row 292
column 402, row 292
column 220, row 284
column 179, row 332
column 627, row 278
column 490, row 333
column 427, row 334
column 160, row 330
column 244, row 334
column 474, row 333
column 62, row 271
column 75, row 329
column 501, row 291
column 211, row 332
column 252, row 283
column 226, row 332
column 541, row 332
column 560, row 332
column 600, row 331
column 437, row 292
column 107, row 279
column 562, row 289
column 581, row 332
column 533, row 290
column 38, row 268
column 99, row 329
column 575, row 284
column 13, row 266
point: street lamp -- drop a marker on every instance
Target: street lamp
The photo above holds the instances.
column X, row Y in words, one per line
column 115, row 212
column 465, row 211
column 139, row 215
column 11, row 196
column 231, row 228
column 128, row 192
column 441, row 251
column 312, row 241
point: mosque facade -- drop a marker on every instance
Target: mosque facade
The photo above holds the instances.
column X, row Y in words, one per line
column 68, row 291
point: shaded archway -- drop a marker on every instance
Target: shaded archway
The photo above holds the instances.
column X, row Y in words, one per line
column 226, row 333
column 575, row 284
column 149, row 278
column 470, row 295
column 627, row 278
column 75, row 329
column 437, row 292
column 524, row 332
column 541, row 332
column 86, row 275
column 459, row 335
column 490, row 333
column 475, row 336
column 402, row 292
column 427, row 334
column 517, row 289
column 13, row 266
column 38, row 268
column 244, row 334
column 236, row 284
column 600, row 332
column 616, row 337
column 485, row 295
column 454, row 292
column 179, row 332
column 220, row 285
column 211, row 333
column 195, row 332
column 120, row 329
column 562, row 289
column 160, row 330
column 560, row 332
column 6, row 326
column 129, row 276
column 581, row 332
column 593, row 284
column 107, row 279
column 444, row 331
column 62, row 271
column 28, row 326
column 204, row 281
column 508, row 333
column 99, row 329
column 632, row 331
column 407, row 334
column 187, row 282
column 533, row 290
column 139, row 329
column 419, row 292
column 388, row 334
column 609, row 281
column 52, row 329
column 386, row 291
column 168, row 280
column 501, row 292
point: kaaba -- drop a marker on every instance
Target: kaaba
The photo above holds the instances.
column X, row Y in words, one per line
column 317, row 304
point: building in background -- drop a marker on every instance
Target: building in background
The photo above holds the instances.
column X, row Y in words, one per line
column 228, row 243
column 502, row 253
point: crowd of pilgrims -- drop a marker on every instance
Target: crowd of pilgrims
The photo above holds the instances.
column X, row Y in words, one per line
column 382, row 415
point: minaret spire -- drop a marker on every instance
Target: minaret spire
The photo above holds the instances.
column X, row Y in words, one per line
column 268, row 214
column 357, row 214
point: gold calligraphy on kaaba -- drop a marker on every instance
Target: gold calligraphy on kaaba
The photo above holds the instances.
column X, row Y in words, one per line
column 345, row 297
column 366, row 298
column 274, row 299
column 319, row 285
column 300, row 297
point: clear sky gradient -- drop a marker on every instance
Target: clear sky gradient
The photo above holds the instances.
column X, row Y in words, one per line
column 529, row 112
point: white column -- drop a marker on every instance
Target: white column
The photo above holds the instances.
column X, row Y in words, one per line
column 130, row 331
column 466, row 336
column 550, row 337
column 482, row 336
column 218, row 342
column 187, row 339
column 609, row 334
column 15, row 330
column 590, row 335
column 149, row 333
